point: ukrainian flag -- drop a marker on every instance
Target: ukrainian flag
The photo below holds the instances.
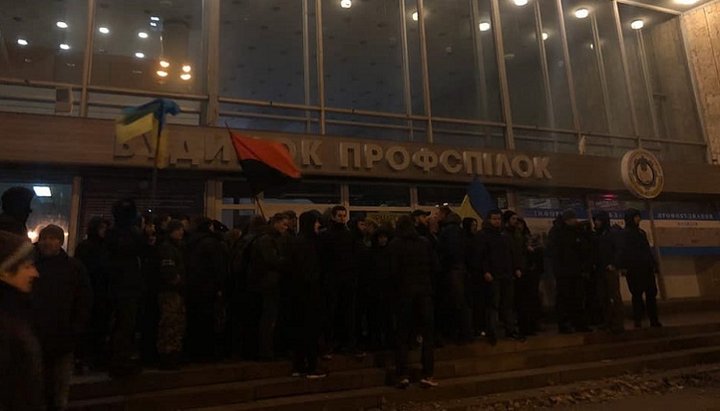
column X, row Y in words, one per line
column 147, row 119
column 477, row 202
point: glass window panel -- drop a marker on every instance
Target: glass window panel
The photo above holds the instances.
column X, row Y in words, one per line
column 237, row 218
column 138, row 38
column 23, row 99
column 607, row 146
column 363, row 55
column 598, row 76
column 262, row 51
column 677, row 152
column 110, row 106
column 658, row 44
column 236, row 192
column 43, row 40
column 464, row 135
column 535, row 66
column 414, row 61
column 379, row 195
column 370, row 127
column 453, row 195
column 250, row 117
column 461, row 59
column 304, row 192
column 534, row 140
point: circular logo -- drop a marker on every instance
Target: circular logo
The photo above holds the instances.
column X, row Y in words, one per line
column 642, row 173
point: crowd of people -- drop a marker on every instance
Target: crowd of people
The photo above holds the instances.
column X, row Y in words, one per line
column 163, row 290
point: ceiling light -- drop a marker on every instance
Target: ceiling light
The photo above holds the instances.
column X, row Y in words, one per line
column 153, row 24
column 104, row 30
column 140, row 54
column 65, row 46
column 346, row 4
column 61, row 24
column 520, row 2
column 154, row 18
column 142, row 35
column 22, row 42
column 161, row 73
column 415, row 16
column 484, row 26
column 545, row 36
column 185, row 76
column 686, row 2
column 42, row 191
column 164, row 64
column 186, row 68
column 582, row 13
column 637, row 24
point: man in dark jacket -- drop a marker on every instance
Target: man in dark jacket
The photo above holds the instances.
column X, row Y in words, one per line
column 62, row 299
column 341, row 276
column 125, row 246
column 268, row 264
column 413, row 264
column 451, row 251
column 606, row 252
column 207, row 271
column 568, row 261
column 637, row 260
column 381, row 311
column 171, row 299
column 20, row 354
column 16, row 210
column 494, row 259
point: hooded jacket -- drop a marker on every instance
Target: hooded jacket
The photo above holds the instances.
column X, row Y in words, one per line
column 451, row 243
column 635, row 253
column 338, row 253
column 605, row 243
column 493, row 253
column 568, row 252
column 206, row 264
column 304, row 260
column 413, row 264
column 16, row 210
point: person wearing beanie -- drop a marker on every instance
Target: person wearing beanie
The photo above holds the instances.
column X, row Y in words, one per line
column 637, row 260
column 568, row 261
column 16, row 210
column 20, row 355
column 606, row 251
column 62, row 299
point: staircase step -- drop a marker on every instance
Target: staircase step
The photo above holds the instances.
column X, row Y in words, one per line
column 473, row 365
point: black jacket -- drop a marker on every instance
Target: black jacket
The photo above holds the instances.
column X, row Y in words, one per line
column 62, row 299
column 605, row 247
column 268, row 262
column 20, row 355
column 519, row 243
column 206, row 265
column 338, row 253
column 13, row 225
column 568, row 252
column 305, row 272
column 125, row 247
column 635, row 253
column 93, row 254
column 413, row 265
column 451, row 244
column 493, row 253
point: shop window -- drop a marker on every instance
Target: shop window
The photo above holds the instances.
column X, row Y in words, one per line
column 304, row 192
column 379, row 195
column 51, row 205
column 453, row 195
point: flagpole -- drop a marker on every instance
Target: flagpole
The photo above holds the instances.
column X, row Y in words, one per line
column 259, row 203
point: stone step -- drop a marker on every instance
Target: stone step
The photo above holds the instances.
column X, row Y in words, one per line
column 86, row 388
column 204, row 394
column 467, row 387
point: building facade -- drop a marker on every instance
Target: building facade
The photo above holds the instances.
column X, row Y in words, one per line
column 387, row 106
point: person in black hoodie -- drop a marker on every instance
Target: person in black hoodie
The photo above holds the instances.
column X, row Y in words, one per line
column 413, row 264
column 606, row 252
column 495, row 261
column 125, row 245
column 380, row 315
column 207, row 266
column 62, row 299
column 568, row 262
column 306, row 295
column 637, row 260
column 451, row 251
column 16, row 210
column 20, row 353
column 93, row 254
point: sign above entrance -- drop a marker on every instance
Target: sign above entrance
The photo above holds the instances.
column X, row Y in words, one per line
column 642, row 174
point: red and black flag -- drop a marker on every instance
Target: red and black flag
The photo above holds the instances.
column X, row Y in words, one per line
column 265, row 163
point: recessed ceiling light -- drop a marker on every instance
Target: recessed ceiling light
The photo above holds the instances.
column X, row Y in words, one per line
column 164, row 64
column 484, row 26
column 686, row 2
column 415, row 16
column 140, row 55
column 61, row 24
column 22, row 42
column 142, row 35
column 185, row 76
column 186, row 68
column 520, row 2
column 582, row 13
column 154, row 18
column 346, row 4
column 161, row 73
column 545, row 36
column 104, row 30
column 153, row 24
column 65, row 46
column 42, row 191
column 637, row 24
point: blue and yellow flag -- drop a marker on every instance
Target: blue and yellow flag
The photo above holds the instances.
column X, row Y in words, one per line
column 477, row 202
column 147, row 119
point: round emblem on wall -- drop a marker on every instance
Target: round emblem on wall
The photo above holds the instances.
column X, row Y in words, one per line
column 642, row 173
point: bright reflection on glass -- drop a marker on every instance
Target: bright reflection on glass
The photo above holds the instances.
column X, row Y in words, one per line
column 637, row 24
column 22, row 42
column 140, row 55
column 186, row 68
column 104, row 30
column 582, row 13
column 164, row 64
column 161, row 73
column 484, row 26
column 186, row 76
column 415, row 16
column 346, row 4
column 545, row 36
column 142, row 35
column 61, row 24
column 64, row 46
